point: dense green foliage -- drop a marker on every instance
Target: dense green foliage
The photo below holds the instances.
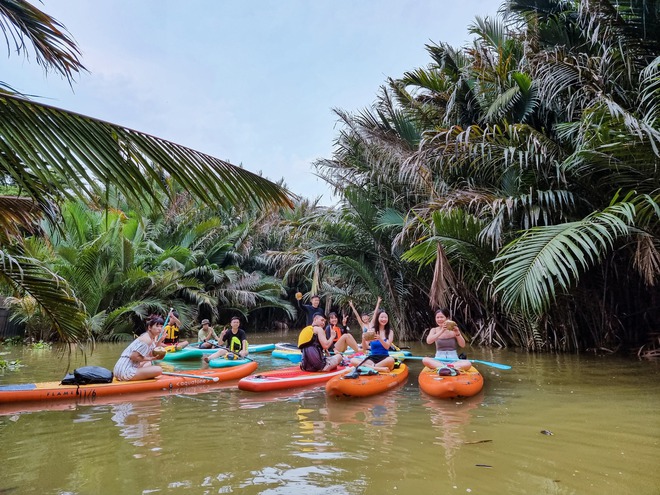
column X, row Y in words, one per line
column 515, row 180
column 51, row 154
column 525, row 169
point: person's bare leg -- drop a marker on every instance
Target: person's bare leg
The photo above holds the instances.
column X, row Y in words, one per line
column 345, row 341
column 332, row 362
column 146, row 372
column 216, row 354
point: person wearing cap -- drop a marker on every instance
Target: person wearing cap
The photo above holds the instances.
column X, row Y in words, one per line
column 313, row 343
column 206, row 335
column 234, row 339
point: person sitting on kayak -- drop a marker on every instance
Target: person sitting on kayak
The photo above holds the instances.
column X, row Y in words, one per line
column 206, row 334
column 363, row 319
column 378, row 339
column 172, row 331
column 135, row 361
column 235, row 339
column 447, row 338
column 341, row 340
column 313, row 343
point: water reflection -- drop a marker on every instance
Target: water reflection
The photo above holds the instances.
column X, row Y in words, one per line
column 603, row 412
column 139, row 423
column 449, row 419
column 379, row 410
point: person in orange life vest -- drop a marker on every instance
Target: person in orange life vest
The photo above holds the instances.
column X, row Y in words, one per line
column 236, row 341
column 172, row 331
column 341, row 339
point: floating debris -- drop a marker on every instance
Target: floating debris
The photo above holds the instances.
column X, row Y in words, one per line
column 546, row 432
column 483, row 465
column 477, row 441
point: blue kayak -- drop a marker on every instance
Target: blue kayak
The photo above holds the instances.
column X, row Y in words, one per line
column 285, row 350
column 292, row 353
column 261, row 348
column 193, row 352
column 223, row 362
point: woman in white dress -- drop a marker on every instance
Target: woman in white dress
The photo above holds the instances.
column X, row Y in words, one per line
column 135, row 362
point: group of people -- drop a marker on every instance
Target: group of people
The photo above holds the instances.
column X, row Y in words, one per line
column 136, row 361
column 322, row 346
column 322, row 342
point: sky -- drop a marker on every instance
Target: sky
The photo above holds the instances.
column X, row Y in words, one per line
column 252, row 82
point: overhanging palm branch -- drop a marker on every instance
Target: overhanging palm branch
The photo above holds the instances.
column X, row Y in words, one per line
column 76, row 156
column 546, row 260
column 51, row 292
column 53, row 47
column 19, row 215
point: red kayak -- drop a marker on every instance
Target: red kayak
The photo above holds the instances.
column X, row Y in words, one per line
column 284, row 378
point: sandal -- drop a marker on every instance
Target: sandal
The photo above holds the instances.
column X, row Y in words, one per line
column 446, row 371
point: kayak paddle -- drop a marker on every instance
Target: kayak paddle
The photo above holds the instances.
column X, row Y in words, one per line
column 487, row 363
column 356, row 373
column 188, row 375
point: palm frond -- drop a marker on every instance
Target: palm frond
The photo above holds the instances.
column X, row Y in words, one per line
column 545, row 260
column 42, row 145
column 53, row 47
column 19, row 215
column 52, row 293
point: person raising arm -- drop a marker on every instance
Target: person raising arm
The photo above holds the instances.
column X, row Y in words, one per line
column 235, row 339
column 341, row 339
column 379, row 339
column 310, row 309
column 362, row 319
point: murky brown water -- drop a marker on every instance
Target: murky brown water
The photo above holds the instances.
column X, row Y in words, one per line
column 603, row 412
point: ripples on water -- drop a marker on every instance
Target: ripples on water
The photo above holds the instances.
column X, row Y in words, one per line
column 602, row 413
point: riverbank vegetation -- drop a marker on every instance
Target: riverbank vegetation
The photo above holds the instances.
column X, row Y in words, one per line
column 514, row 180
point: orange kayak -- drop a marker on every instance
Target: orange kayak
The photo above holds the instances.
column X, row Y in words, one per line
column 54, row 391
column 366, row 385
column 465, row 384
column 283, row 378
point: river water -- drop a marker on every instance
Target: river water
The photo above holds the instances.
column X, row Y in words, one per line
column 603, row 413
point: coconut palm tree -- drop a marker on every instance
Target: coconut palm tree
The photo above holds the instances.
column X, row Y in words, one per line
column 51, row 154
column 543, row 134
column 596, row 63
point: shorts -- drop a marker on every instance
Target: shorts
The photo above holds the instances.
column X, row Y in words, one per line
column 446, row 355
column 313, row 359
column 126, row 374
column 377, row 358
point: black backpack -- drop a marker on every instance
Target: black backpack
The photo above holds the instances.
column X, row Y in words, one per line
column 88, row 375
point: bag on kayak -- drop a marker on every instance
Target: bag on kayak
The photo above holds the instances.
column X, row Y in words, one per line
column 88, row 375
